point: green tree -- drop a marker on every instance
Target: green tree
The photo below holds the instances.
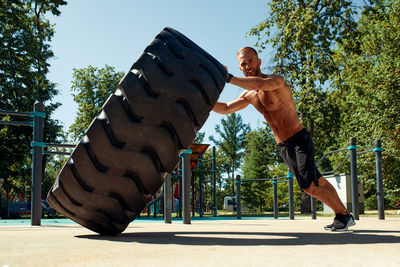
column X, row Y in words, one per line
column 304, row 34
column 261, row 153
column 370, row 93
column 222, row 167
column 25, row 37
column 232, row 142
column 199, row 138
column 91, row 86
column 261, row 156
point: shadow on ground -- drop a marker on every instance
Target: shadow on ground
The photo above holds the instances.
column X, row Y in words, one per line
column 254, row 238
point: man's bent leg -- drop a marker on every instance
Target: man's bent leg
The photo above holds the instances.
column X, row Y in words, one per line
column 326, row 193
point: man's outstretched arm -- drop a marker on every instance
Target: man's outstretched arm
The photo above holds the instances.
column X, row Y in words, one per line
column 258, row 83
column 231, row 107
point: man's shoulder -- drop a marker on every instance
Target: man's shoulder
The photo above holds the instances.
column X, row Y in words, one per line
column 279, row 79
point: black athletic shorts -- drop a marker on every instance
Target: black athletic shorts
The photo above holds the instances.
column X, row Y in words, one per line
column 298, row 153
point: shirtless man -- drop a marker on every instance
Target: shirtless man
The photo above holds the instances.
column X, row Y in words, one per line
column 272, row 97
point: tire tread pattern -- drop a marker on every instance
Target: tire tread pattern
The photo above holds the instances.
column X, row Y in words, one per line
column 154, row 114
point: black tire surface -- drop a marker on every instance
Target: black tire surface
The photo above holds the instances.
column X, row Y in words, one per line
column 154, row 114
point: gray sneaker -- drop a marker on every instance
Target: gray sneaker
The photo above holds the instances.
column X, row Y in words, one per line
column 341, row 223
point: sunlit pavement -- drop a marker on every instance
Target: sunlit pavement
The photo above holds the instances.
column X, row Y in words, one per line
column 248, row 242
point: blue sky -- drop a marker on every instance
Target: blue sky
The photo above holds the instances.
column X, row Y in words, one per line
column 100, row 32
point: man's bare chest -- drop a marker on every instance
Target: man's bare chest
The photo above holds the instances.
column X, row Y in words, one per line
column 265, row 101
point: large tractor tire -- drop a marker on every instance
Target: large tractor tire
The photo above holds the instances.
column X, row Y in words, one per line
column 154, row 114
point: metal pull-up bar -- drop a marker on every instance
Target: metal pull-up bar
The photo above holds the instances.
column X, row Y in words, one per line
column 38, row 115
column 37, row 152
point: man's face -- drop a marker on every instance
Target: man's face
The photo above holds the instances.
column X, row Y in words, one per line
column 249, row 63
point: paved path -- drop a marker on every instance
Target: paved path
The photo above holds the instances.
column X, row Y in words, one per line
column 267, row 242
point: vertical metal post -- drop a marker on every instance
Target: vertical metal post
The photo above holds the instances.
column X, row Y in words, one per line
column 291, row 198
column 167, row 199
column 200, row 186
column 193, row 194
column 275, row 203
column 238, row 205
column 313, row 208
column 214, row 177
column 379, row 181
column 354, row 179
column 155, row 209
column 186, row 186
column 1, row 185
column 180, row 170
column 36, row 208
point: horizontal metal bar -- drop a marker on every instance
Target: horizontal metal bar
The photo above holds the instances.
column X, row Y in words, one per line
column 366, row 151
column 196, row 171
column 61, row 145
column 330, row 152
column 14, row 113
column 263, row 179
column 333, row 171
column 338, row 150
column 56, row 153
column 20, row 123
column 252, row 180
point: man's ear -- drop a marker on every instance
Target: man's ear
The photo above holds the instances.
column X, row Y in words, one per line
column 259, row 62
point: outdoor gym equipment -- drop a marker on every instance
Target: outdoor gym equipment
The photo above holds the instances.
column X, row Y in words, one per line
column 352, row 149
column 37, row 152
column 136, row 140
column 37, row 124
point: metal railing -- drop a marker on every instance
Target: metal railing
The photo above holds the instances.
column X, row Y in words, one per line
column 352, row 149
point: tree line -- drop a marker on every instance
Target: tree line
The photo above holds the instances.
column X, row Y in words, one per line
column 341, row 60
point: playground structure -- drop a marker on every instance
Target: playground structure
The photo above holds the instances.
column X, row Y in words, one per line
column 186, row 182
column 196, row 152
column 171, row 193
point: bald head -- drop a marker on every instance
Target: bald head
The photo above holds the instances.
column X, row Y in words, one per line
column 249, row 63
column 247, row 49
